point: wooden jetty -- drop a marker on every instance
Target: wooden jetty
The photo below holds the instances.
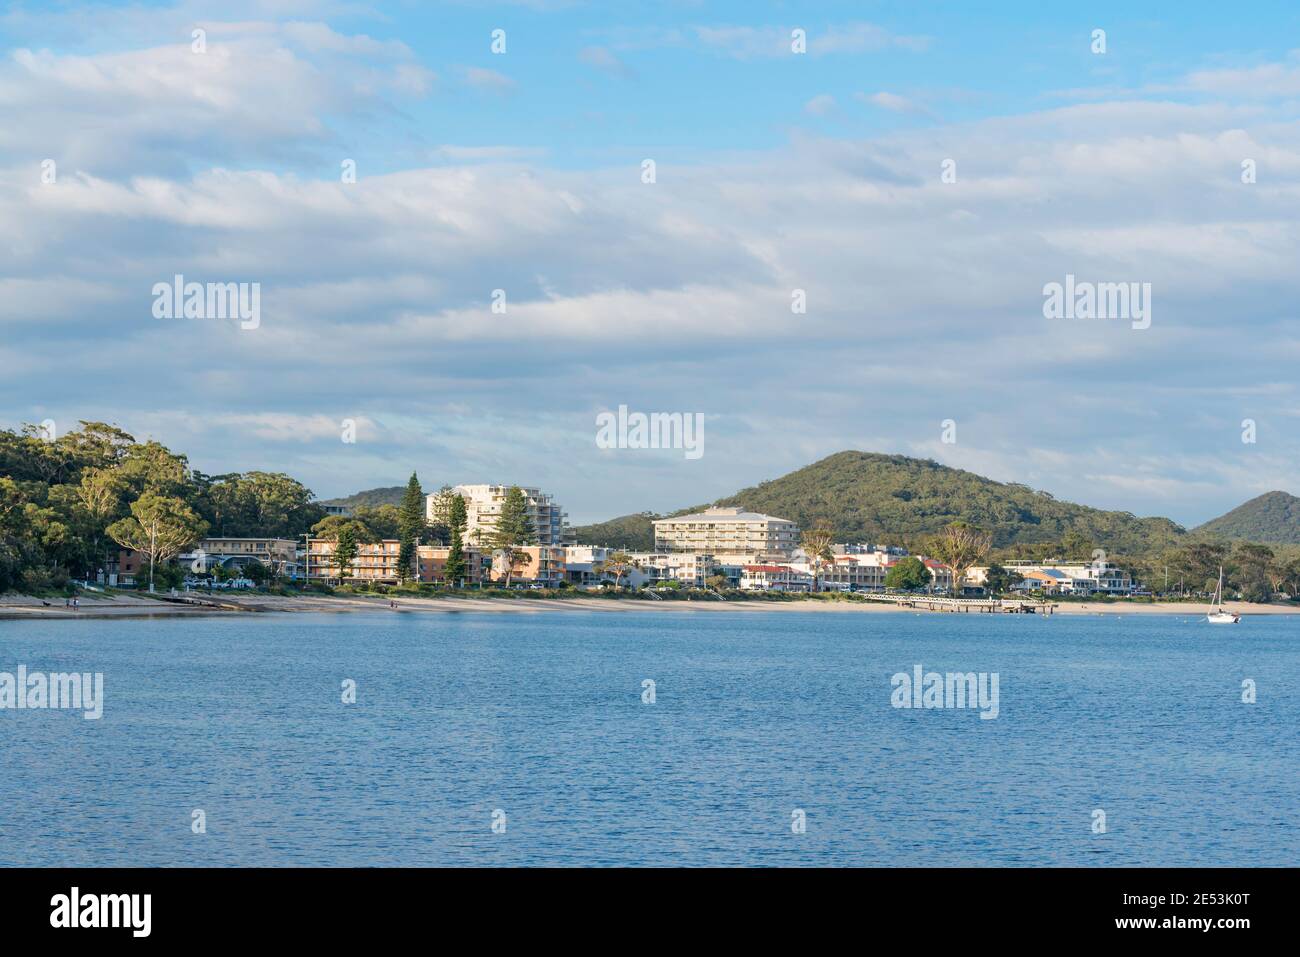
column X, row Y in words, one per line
column 984, row 606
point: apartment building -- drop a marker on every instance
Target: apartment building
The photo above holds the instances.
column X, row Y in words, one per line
column 483, row 506
column 375, row 562
column 280, row 555
column 431, row 563
column 533, row 565
column 723, row 531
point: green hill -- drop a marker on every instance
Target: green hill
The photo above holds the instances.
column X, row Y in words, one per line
column 633, row 532
column 893, row 498
column 389, row 495
column 1273, row 517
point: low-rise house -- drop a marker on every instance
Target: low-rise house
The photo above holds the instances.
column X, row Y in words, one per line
column 1073, row 578
column 771, row 577
column 692, row 569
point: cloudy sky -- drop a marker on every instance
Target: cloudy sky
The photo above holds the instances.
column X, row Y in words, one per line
column 775, row 171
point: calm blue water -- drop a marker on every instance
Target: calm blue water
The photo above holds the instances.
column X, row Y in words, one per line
column 541, row 715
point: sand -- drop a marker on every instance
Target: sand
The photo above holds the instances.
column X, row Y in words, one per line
column 133, row 606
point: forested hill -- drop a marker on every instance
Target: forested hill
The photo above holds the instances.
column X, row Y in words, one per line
column 1273, row 517
column 893, row 498
column 388, row 495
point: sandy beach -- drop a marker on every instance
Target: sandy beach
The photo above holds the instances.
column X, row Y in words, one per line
column 132, row 606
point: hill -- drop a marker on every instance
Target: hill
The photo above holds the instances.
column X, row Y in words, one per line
column 633, row 532
column 893, row 498
column 1273, row 517
column 389, row 495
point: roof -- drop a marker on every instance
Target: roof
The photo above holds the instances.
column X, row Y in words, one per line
column 768, row 568
column 723, row 515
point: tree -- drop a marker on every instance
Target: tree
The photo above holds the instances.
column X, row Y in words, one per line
column 384, row 521
column 159, row 527
column 257, row 503
column 1249, row 571
column 816, row 543
column 513, row 528
column 329, row 527
column 411, row 527
column 960, row 546
column 440, row 514
column 100, row 493
column 999, row 580
column 908, row 574
column 617, row 564
column 345, row 552
column 456, row 519
column 257, row 573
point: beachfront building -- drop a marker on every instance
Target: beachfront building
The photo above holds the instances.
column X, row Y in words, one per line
column 583, row 565
column 692, row 569
column 533, row 565
column 771, row 577
column 483, row 505
column 1073, row 578
column 727, row 531
column 431, row 564
column 279, row 555
column 863, row 571
column 375, row 562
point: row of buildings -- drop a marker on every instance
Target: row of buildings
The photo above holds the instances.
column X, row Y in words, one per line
column 717, row 546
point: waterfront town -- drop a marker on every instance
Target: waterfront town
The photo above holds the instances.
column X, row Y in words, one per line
column 717, row 548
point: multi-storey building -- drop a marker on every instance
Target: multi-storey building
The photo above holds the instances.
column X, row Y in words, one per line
column 375, row 562
column 280, row 555
column 432, row 563
column 483, row 506
column 727, row 531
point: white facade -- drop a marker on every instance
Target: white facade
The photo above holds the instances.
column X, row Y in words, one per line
column 727, row 531
column 483, row 506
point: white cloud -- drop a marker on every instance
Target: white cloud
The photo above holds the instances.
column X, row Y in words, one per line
column 820, row 105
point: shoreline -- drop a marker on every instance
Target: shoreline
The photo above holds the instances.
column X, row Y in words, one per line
column 17, row 608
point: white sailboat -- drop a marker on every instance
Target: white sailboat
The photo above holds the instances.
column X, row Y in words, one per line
column 1217, row 615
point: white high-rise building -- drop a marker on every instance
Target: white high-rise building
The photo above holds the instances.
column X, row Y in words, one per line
column 483, row 505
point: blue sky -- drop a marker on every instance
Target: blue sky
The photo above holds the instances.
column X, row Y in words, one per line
column 775, row 171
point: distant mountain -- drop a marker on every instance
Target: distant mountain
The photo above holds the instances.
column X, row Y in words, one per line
column 390, row 495
column 892, row 498
column 1273, row 517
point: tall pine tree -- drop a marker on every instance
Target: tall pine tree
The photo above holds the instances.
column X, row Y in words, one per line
column 410, row 529
column 513, row 528
column 456, row 521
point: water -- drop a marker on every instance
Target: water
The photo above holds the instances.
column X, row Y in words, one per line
column 756, row 714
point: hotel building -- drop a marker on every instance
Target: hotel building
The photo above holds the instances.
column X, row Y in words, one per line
column 727, row 531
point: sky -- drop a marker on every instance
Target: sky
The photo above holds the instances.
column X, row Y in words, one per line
column 917, row 176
